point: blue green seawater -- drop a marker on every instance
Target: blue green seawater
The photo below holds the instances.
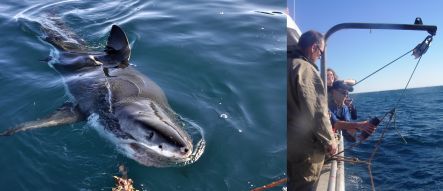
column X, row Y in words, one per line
column 221, row 64
column 416, row 165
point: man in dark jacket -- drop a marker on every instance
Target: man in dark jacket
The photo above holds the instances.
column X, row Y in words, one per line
column 309, row 131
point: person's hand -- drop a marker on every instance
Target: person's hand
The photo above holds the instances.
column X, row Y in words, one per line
column 332, row 148
column 367, row 127
column 350, row 82
column 348, row 102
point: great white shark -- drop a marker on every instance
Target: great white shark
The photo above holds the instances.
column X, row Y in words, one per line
column 131, row 108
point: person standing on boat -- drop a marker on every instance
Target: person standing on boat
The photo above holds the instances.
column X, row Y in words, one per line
column 331, row 76
column 309, row 130
column 341, row 115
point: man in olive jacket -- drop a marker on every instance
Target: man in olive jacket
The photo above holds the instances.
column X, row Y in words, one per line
column 309, row 131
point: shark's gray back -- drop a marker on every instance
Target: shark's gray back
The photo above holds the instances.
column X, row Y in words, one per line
column 91, row 89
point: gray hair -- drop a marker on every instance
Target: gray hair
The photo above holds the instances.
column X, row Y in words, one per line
column 309, row 38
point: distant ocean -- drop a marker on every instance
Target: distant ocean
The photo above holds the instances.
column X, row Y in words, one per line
column 417, row 165
column 221, row 64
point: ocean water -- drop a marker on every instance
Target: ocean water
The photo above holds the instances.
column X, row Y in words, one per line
column 416, row 165
column 221, row 64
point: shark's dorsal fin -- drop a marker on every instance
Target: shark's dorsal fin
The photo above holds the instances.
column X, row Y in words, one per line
column 117, row 47
column 66, row 114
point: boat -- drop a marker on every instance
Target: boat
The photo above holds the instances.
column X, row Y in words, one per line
column 332, row 176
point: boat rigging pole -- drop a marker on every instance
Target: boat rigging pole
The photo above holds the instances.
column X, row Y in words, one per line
column 418, row 51
column 418, row 25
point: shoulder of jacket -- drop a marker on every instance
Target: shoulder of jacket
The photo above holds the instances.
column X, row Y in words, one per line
column 302, row 64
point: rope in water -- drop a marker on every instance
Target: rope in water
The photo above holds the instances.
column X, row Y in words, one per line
column 271, row 185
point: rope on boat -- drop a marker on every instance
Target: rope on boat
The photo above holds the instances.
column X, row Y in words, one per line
column 368, row 162
column 383, row 67
column 418, row 52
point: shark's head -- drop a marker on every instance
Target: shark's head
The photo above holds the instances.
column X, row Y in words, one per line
column 155, row 138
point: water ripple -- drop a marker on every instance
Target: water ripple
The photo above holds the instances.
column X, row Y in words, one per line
column 209, row 57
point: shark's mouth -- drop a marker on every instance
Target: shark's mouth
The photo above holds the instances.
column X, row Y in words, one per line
column 173, row 160
column 150, row 154
column 160, row 157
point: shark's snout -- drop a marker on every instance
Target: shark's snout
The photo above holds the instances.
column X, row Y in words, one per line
column 156, row 132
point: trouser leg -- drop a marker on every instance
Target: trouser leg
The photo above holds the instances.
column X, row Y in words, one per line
column 304, row 172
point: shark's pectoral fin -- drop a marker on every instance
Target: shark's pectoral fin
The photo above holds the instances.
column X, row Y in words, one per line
column 68, row 113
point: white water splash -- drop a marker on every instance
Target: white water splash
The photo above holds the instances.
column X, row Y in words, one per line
column 109, row 97
column 224, row 115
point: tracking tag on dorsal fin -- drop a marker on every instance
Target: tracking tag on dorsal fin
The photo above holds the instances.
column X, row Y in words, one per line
column 117, row 47
column 68, row 113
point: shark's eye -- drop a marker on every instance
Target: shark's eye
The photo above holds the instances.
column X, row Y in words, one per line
column 184, row 150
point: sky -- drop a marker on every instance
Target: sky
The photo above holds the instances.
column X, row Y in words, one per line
column 356, row 53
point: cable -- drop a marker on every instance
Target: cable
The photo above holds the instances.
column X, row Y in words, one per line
column 384, row 66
